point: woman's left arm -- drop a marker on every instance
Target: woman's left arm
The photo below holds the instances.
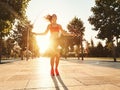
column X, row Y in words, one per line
column 65, row 33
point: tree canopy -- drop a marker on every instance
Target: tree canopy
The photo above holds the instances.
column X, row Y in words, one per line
column 76, row 26
column 106, row 19
column 10, row 11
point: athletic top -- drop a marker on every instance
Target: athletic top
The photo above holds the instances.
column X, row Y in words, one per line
column 54, row 30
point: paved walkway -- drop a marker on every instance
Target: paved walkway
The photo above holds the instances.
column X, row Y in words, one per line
column 90, row 74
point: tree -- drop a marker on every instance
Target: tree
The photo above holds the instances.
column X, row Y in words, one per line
column 10, row 11
column 66, row 42
column 106, row 20
column 9, row 45
column 22, row 34
column 91, row 48
column 76, row 26
column 99, row 50
column 118, row 49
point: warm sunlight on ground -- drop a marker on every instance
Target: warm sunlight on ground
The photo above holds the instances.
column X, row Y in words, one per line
column 43, row 42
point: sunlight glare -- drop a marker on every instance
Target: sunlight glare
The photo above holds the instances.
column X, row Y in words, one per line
column 43, row 42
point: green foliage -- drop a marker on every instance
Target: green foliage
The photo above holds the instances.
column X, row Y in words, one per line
column 106, row 19
column 5, row 27
column 20, row 35
column 76, row 26
column 10, row 10
column 99, row 51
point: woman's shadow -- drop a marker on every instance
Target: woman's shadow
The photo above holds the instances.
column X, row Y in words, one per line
column 57, row 80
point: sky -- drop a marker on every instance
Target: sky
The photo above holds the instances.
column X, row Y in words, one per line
column 65, row 10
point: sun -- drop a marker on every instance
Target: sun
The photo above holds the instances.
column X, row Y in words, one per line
column 43, row 42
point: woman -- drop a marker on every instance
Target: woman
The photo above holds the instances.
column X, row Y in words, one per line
column 55, row 30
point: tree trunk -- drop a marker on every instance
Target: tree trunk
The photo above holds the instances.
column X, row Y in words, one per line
column 114, row 52
column 82, row 51
column 27, row 55
column 78, row 51
column 21, row 54
column 0, row 48
column 117, row 47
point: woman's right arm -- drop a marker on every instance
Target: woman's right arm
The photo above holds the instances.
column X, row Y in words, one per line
column 45, row 32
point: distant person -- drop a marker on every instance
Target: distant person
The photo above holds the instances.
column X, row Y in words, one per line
column 55, row 30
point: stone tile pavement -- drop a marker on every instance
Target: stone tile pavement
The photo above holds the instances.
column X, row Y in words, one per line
column 34, row 74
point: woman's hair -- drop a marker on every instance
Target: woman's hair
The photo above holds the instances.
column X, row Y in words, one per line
column 49, row 17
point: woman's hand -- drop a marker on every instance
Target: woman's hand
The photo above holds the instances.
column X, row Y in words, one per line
column 73, row 34
column 34, row 33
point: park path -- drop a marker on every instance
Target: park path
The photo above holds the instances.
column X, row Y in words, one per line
column 34, row 74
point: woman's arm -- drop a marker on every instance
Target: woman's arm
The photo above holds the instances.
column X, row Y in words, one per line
column 45, row 32
column 65, row 33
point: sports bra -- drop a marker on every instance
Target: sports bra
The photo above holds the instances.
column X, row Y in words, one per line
column 54, row 28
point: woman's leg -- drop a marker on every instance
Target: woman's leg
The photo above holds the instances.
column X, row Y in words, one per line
column 52, row 65
column 57, row 63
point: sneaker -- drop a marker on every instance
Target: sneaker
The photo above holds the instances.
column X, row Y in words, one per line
column 56, row 71
column 52, row 72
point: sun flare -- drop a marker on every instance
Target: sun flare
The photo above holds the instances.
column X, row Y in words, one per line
column 43, row 42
